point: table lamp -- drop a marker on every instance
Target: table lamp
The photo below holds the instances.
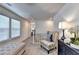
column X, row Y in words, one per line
column 63, row 26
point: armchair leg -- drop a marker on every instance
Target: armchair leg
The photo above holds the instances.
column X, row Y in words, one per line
column 48, row 51
column 41, row 46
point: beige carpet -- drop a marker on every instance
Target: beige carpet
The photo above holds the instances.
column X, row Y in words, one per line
column 35, row 49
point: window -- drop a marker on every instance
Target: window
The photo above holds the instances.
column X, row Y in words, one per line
column 15, row 28
column 9, row 28
column 4, row 28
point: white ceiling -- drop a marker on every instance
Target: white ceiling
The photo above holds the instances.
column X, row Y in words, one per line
column 70, row 12
column 38, row 11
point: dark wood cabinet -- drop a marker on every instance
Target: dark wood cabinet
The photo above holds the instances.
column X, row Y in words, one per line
column 61, row 48
column 65, row 49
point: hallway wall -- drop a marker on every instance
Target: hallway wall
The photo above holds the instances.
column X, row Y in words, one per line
column 42, row 26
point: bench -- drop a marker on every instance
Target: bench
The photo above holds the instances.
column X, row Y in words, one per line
column 12, row 49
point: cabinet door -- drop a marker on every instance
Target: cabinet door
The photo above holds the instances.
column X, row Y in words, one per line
column 61, row 48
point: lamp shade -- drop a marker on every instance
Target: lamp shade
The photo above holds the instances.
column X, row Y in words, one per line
column 63, row 25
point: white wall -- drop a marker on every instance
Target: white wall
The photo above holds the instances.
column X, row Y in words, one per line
column 25, row 29
column 42, row 26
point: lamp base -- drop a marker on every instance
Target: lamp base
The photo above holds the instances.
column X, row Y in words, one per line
column 62, row 38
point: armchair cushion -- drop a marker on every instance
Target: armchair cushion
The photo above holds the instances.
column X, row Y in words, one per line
column 47, row 44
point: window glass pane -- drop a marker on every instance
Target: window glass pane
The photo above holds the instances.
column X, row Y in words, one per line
column 4, row 28
column 15, row 28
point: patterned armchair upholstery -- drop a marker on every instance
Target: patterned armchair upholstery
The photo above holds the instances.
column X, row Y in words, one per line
column 47, row 45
